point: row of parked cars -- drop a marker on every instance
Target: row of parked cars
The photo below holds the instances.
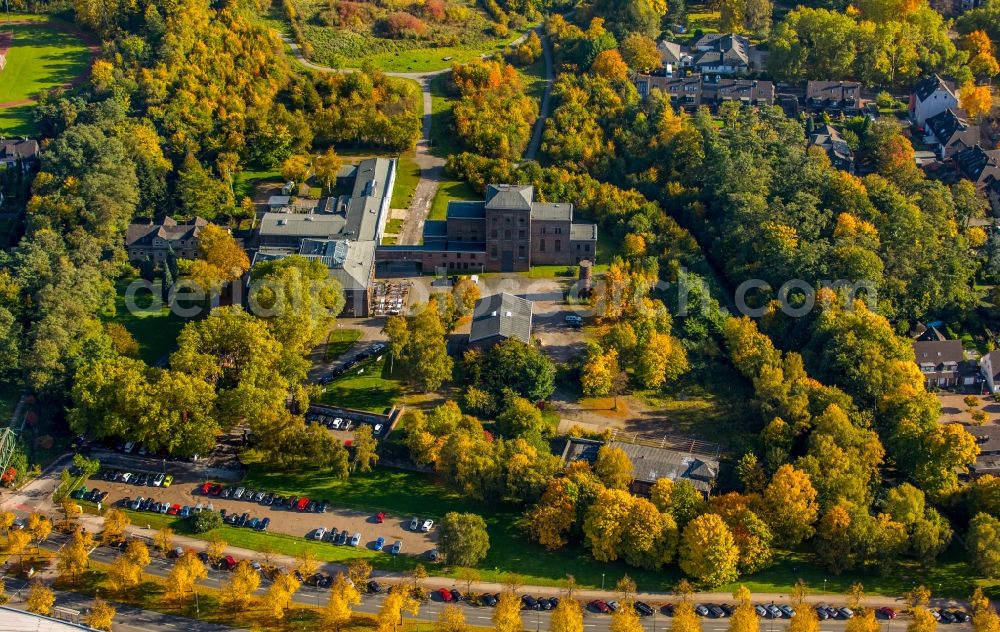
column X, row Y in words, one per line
column 152, row 505
column 268, row 499
column 142, row 479
column 333, row 536
column 350, row 364
column 245, row 520
column 93, row 495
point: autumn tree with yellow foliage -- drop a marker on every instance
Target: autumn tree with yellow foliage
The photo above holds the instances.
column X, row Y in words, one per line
column 187, row 570
column 243, row 583
column 977, row 101
column 507, row 614
column 101, row 615
column 343, row 595
column 396, row 603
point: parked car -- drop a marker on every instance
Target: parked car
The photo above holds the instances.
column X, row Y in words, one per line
column 960, row 615
column 331, row 535
column 614, row 605
column 947, row 617
column 667, row 609
column 455, row 595
column 528, row 602
column 205, row 489
column 341, row 537
column 318, row 533
column 727, row 609
column 444, row 594
column 268, row 499
column 787, row 610
column 488, row 600
column 158, row 480
column 226, row 492
column 228, row 563
column 845, row 613
column 374, row 586
column 935, row 614
column 887, row 612
column 600, row 606
column 302, row 504
column 414, row 524
column 379, row 543
column 643, row 609
column 142, row 479
column 701, row 610
column 356, row 539
column 185, row 511
column 397, row 547
column 380, row 517
column 264, row 524
column 174, row 509
column 176, row 552
column 427, row 526
column 433, row 555
column 774, row 612
column 238, row 494
column 243, row 519
column 77, row 494
column 821, row 613
column 573, row 320
column 377, row 429
column 714, row 611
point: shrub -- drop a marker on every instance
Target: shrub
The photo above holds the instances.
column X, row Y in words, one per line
column 434, row 10
column 206, row 521
column 402, row 25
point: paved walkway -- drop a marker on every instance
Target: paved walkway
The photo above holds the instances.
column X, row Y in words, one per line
column 543, row 114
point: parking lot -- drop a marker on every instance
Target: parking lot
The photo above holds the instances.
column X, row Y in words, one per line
column 185, row 491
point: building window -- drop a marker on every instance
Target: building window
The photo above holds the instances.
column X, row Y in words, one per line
column 520, row 221
column 559, row 230
column 493, row 234
column 521, row 234
column 520, row 251
column 458, row 256
column 558, row 245
column 506, row 220
column 543, row 230
column 506, row 234
column 493, row 252
column 541, row 246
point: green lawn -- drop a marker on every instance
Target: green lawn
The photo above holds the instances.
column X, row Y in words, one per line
column 17, row 121
column 395, row 226
column 450, row 190
column 444, row 141
column 407, row 176
column 155, row 332
column 246, row 181
column 339, row 341
column 40, row 58
column 365, row 387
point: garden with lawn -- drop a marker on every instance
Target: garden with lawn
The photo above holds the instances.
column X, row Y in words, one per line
column 155, row 330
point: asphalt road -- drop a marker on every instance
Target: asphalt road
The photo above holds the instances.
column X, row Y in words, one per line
column 475, row 615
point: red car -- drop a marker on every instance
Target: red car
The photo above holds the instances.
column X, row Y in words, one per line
column 303, row 503
column 205, row 488
column 600, row 606
column 216, row 490
column 444, row 593
column 887, row 612
column 380, row 517
column 174, row 509
column 228, row 563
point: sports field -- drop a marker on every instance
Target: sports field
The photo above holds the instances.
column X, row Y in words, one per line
column 40, row 57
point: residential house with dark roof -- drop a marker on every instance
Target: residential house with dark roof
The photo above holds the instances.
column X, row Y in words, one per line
column 19, row 151
column 951, row 132
column 152, row 241
column 499, row 317
column 827, row 138
column 931, row 96
column 939, row 361
column 834, row 97
column 650, row 463
column 672, row 55
column 988, row 440
column 982, row 167
column 721, row 54
column 690, row 93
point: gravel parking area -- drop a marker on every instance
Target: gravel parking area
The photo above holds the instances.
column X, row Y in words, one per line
column 186, row 490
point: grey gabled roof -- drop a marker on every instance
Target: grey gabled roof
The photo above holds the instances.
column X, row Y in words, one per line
column 670, row 52
column 514, row 197
column 929, row 86
column 502, row 315
column 650, row 463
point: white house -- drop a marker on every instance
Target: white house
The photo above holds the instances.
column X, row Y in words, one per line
column 930, row 97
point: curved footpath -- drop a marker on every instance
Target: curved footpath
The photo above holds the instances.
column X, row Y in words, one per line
column 37, row 496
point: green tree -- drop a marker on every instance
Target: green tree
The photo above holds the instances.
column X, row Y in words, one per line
column 521, row 418
column 420, row 343
column 463, row 538
column 640, row 52
column 365, row 449
column 984, row 544
column 519, row 367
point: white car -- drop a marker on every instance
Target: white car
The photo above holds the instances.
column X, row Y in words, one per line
column 414, row 524
column 158, row 481
column 356, row 539
column 377, row 429
column 427, row 526
column 319, row 533
column 337, row 422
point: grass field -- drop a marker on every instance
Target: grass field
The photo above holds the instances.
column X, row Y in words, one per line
column 339, row 341
column 246, row 181
column 407, row 176
column 40, row 58
column 155, row 332
column 373, row 389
